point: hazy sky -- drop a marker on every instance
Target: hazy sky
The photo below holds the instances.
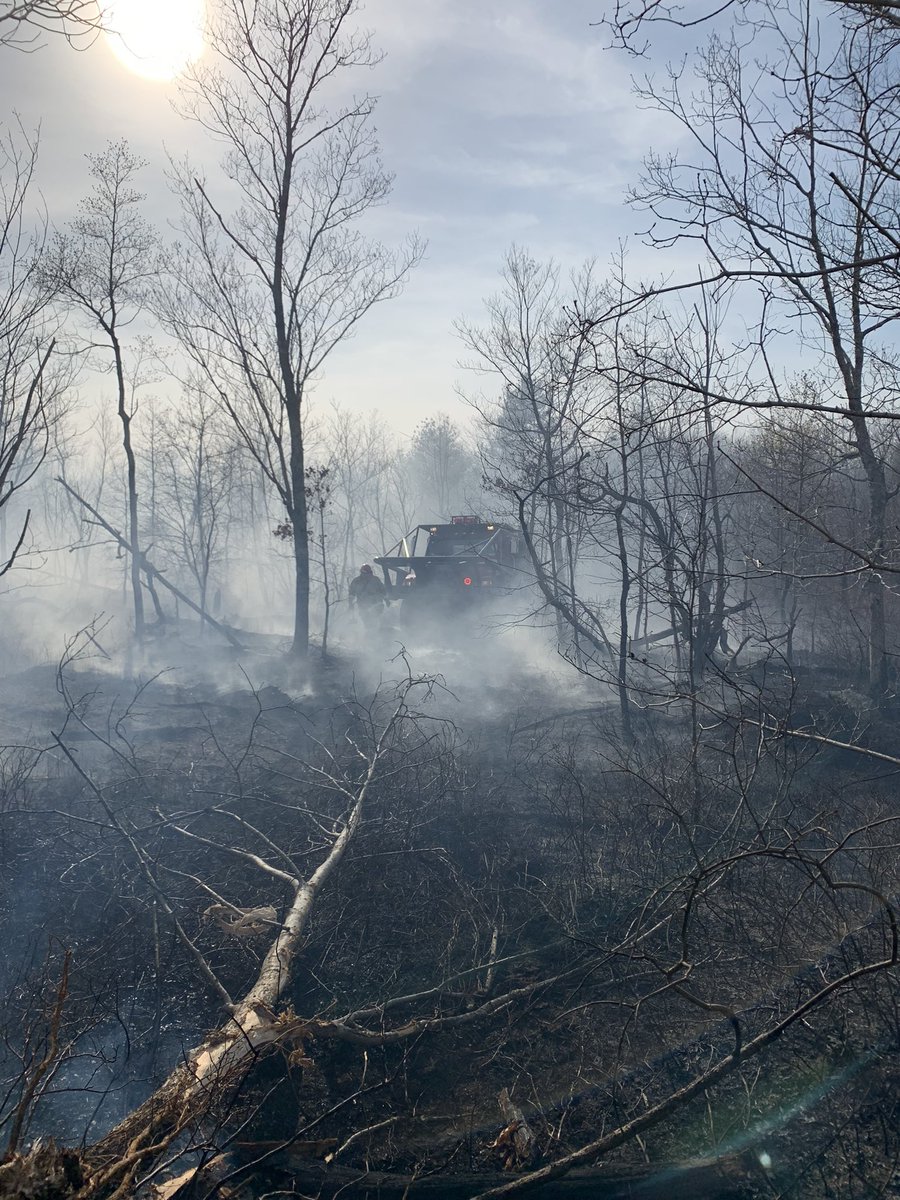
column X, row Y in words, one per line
column 503, row 121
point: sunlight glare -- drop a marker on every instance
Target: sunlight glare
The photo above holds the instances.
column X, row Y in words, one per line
column 155, row 38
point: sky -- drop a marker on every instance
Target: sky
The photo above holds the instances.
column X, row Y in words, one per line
column 503, row 121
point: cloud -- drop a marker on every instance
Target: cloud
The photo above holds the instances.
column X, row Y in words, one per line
column 530, row 171
column 503, row 120
column 530, row 59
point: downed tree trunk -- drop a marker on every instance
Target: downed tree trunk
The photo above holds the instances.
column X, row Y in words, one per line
column 651, row 638
column 709, row 1180
column 229, row 1051
column 516, row 1139
column 46, row 1172
column 152, row 573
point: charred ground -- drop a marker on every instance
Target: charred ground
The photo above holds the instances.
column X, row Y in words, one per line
column 542, row 938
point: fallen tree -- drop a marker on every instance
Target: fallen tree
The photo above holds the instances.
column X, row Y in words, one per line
column 151, row 572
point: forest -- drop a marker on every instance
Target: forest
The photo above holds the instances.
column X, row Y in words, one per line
column 584, row 887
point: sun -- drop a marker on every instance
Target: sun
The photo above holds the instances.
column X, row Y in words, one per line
column 155, row 38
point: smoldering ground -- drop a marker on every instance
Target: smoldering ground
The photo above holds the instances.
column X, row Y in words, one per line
column 183, row 698
column 502, row 919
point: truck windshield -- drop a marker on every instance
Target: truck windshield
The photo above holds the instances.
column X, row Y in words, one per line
column 459, row 544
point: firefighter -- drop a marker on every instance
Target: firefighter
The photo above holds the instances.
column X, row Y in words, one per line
column 367, row 595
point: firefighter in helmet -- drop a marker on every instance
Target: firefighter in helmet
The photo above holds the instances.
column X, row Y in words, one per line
column 367, row 595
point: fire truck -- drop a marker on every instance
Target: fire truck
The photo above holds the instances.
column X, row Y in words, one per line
column 455, row 567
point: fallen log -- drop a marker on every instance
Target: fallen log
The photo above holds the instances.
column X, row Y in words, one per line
column 651, row 638
column 152, row 572
column 725, row 1179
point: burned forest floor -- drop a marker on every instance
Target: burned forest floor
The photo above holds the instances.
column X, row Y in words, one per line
column 648, row 962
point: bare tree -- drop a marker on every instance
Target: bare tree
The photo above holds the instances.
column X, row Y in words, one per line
column 30, row 380
column 261, row 296
column 22, row 22
column 195, row 490
column 440, row 465
column 89, row 473
column 615, row 471
column 368, row 503
column 101, row 269
column 800, row 462
column 795, row 191
column 666, row 474
column 632, row 23
column 547, row 398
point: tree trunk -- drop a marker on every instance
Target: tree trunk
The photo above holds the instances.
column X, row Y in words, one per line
column 873, row 465
column 300, row 644
column 229, row 1051
column 133, row 539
